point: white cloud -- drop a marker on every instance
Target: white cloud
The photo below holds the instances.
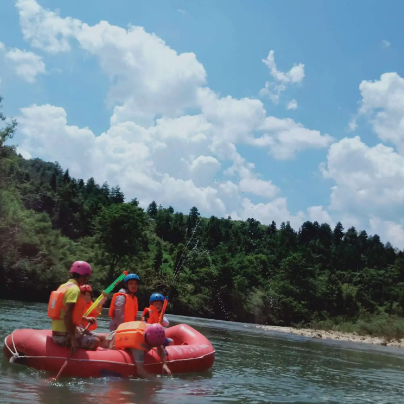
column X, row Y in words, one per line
column 133, row 61
column 281, row 79
column 197, row 137
column 259, row 187
column 45, row 29
column 383, row 104
column 2, row 47
column 369, row 180
column 203, row 170
column 386, row 44
column 267, row 212
column 352, row 125
column 47, row 134
column 181, row 11
column 285, row 137
column 131, row 58
column 292, row 105
column 388, row 231
column 319, row 214
column 27, row 64
column 294, row 75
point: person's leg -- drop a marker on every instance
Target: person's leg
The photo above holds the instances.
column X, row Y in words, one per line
column 103, row 341
column 61, row 340
column 110, row 340
column 89, row 342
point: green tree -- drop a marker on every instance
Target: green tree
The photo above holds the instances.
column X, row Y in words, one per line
column 152, row 210
column 120, row 229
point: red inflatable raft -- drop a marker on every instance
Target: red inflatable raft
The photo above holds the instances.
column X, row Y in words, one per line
column 192, row 352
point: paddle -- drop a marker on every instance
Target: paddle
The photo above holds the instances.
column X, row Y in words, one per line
column 107, row 290
column 52, row 379
column 163, row 310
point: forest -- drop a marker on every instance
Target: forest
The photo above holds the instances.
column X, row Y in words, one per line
column 219, row 268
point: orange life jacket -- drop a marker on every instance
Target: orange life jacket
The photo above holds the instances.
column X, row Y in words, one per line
column 131, row 335
column 94, row 314
column 56, row 305
column 131, row 306
column 154, row 315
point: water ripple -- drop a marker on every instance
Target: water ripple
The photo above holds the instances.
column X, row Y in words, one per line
column 252, row 366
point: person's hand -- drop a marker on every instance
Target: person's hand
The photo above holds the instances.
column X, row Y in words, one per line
column 74, row 344
column 90, row 320
column 104, row 294
column 167, row 369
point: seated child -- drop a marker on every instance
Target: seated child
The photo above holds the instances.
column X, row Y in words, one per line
column 152, row 313
column 140, row 338
column 86, row 292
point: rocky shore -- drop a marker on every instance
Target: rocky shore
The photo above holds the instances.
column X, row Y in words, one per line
column 335, row 335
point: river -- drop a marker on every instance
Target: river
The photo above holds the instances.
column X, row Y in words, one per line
column 252, row 366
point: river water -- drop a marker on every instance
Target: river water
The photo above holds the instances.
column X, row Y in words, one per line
column 252, row 366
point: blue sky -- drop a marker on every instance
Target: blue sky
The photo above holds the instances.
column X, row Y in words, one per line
column 340, row 43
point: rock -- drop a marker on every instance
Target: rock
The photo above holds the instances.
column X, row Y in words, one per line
column 384, row 343
column 319, row 335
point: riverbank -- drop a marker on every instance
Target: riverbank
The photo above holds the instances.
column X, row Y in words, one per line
column 337, row 335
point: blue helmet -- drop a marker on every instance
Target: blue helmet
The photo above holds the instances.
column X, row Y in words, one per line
column 156, row 297
column 131, row 277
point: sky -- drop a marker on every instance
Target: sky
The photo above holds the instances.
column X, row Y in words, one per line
column 272, row 110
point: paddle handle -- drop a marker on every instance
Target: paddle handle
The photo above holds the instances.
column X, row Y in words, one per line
column 107, row 290
column 163, row 310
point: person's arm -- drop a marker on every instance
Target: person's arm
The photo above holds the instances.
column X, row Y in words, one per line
column 146, row 315
column 139, row 360
column 142, row 372
column 70, row 327
column 166, row 323
column 103, row 300
column 90, row 320
column 119, row 313
column 161, row 351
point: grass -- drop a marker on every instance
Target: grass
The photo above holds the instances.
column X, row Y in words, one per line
column 381, row 325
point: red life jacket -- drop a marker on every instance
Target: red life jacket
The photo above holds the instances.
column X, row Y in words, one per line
column 56, row 304
column 131, row 306
column 152, row 313
column 131, row 335
column 94, row 314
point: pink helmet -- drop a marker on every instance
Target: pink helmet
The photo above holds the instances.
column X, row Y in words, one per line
column 154, row 335
column 82, row 268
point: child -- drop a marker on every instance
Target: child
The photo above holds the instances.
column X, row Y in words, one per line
column 124, row 305
column 86, row 292
column 152, row 313
column 140, row 338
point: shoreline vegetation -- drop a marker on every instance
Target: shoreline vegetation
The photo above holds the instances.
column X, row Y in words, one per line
column 316, row 277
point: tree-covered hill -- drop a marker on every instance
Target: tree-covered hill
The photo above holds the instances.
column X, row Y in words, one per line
column 211, row 267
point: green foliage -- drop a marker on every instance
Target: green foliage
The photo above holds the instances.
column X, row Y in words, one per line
column 120, row 233
column 212, row 267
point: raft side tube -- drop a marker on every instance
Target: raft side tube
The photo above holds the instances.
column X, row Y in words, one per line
column 191, row 353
